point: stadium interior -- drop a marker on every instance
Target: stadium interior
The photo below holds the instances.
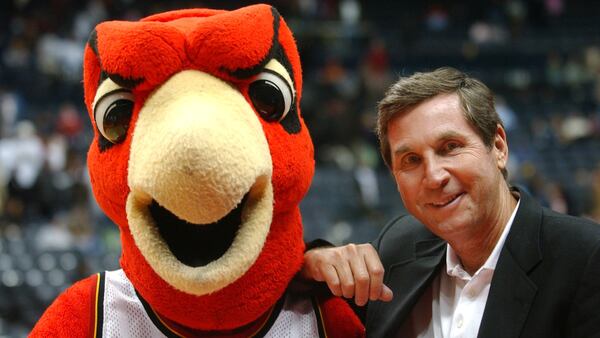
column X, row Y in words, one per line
column 541, row 58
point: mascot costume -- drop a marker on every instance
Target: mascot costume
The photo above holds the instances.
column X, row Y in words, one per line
column 201, row 157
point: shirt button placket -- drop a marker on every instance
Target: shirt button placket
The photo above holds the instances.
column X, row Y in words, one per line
column 459, row 323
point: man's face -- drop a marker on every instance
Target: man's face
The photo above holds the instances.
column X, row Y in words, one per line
column 446, row 176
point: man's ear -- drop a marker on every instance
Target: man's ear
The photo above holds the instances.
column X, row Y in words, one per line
column 500, row 147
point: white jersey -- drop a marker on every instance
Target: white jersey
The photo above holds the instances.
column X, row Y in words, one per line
column 121, row 312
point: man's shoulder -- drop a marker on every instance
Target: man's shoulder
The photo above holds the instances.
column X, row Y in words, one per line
column 557, row 232
column 561, row 228
column 584, row 224
column 398, row 237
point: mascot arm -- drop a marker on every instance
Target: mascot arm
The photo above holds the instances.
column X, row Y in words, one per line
column 72, row 313
column 339, row 319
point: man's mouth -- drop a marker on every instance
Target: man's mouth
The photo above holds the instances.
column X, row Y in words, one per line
column 446, row 201
column 197, row 244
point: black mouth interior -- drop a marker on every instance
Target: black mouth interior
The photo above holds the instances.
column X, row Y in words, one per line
column 194, row 244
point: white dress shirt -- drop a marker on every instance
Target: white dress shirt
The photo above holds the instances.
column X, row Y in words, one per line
column 453, row 305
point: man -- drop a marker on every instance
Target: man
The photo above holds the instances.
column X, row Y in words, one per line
column 476, row 258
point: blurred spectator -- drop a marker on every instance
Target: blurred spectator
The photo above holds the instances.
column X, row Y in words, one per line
column 436, row 18
column 60, row 57
column 483, row 33
column 506, row 114
column 554, row 8
column 574, row 72
column 574, row 127
column 54, row 236
column 69, row 121
column 557, row 199
column 592, row 60
column 542, row 133
column 365, row 174
column 516, row 12
column 376, row 73
column 23, row 158
column 554, row 73
column 86, row 20
column 18, row 55
column 350, row 13
column 9, row 112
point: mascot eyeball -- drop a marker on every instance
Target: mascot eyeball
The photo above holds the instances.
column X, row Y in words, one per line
column 201, row 157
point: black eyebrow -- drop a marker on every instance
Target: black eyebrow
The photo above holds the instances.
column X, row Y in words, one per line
column 128, row 83
column 125, row 82
column 93, row 41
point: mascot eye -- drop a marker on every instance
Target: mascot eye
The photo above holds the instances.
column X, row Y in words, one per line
column 113, row 113
column 271, row 95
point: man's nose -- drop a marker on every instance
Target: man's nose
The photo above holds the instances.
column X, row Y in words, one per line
column 436, row 176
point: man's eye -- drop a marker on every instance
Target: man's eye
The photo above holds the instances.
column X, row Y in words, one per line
column 410, row 160
column 451, row 146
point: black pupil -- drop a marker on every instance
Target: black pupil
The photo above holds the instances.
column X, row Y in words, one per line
column 267, row 99
column 116, row 120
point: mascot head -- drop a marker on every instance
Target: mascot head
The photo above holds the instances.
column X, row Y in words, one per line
column 201, row 157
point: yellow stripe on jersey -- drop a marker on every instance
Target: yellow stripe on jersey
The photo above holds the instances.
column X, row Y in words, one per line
column 96, row 305
column 322, row 321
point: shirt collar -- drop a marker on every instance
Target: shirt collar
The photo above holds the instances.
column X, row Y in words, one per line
column 454, row 266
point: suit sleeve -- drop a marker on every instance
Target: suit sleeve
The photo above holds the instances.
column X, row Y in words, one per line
column 584, row 319
column 72, row 314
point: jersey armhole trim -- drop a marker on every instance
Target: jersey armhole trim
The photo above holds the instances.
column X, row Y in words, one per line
column 271, row 318
column 99, row 308
column 159, row 323
column 319, row 315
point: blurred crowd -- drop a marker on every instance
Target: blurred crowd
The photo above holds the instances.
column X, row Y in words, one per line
column 542, row 58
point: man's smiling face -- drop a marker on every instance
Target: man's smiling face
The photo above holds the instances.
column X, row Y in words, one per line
column 445, row 174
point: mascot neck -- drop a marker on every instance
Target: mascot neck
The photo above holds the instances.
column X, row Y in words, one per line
column 256, row 328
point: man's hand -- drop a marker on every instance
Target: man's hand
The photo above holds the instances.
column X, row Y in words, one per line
column 350, row 271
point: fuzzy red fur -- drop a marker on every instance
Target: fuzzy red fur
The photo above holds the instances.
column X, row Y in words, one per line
column 71, row 314
column 339, row 319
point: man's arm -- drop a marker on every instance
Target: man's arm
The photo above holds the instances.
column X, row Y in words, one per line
column 352, row 271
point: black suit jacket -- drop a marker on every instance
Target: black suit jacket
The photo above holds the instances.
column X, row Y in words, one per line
column 546, row 282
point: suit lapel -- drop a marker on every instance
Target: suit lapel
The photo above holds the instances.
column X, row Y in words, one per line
column 409, row 279
column 512, row 291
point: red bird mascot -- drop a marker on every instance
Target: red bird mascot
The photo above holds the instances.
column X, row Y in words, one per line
column 201, row 157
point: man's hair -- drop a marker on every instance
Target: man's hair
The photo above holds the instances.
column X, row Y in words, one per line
column 476, row 100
